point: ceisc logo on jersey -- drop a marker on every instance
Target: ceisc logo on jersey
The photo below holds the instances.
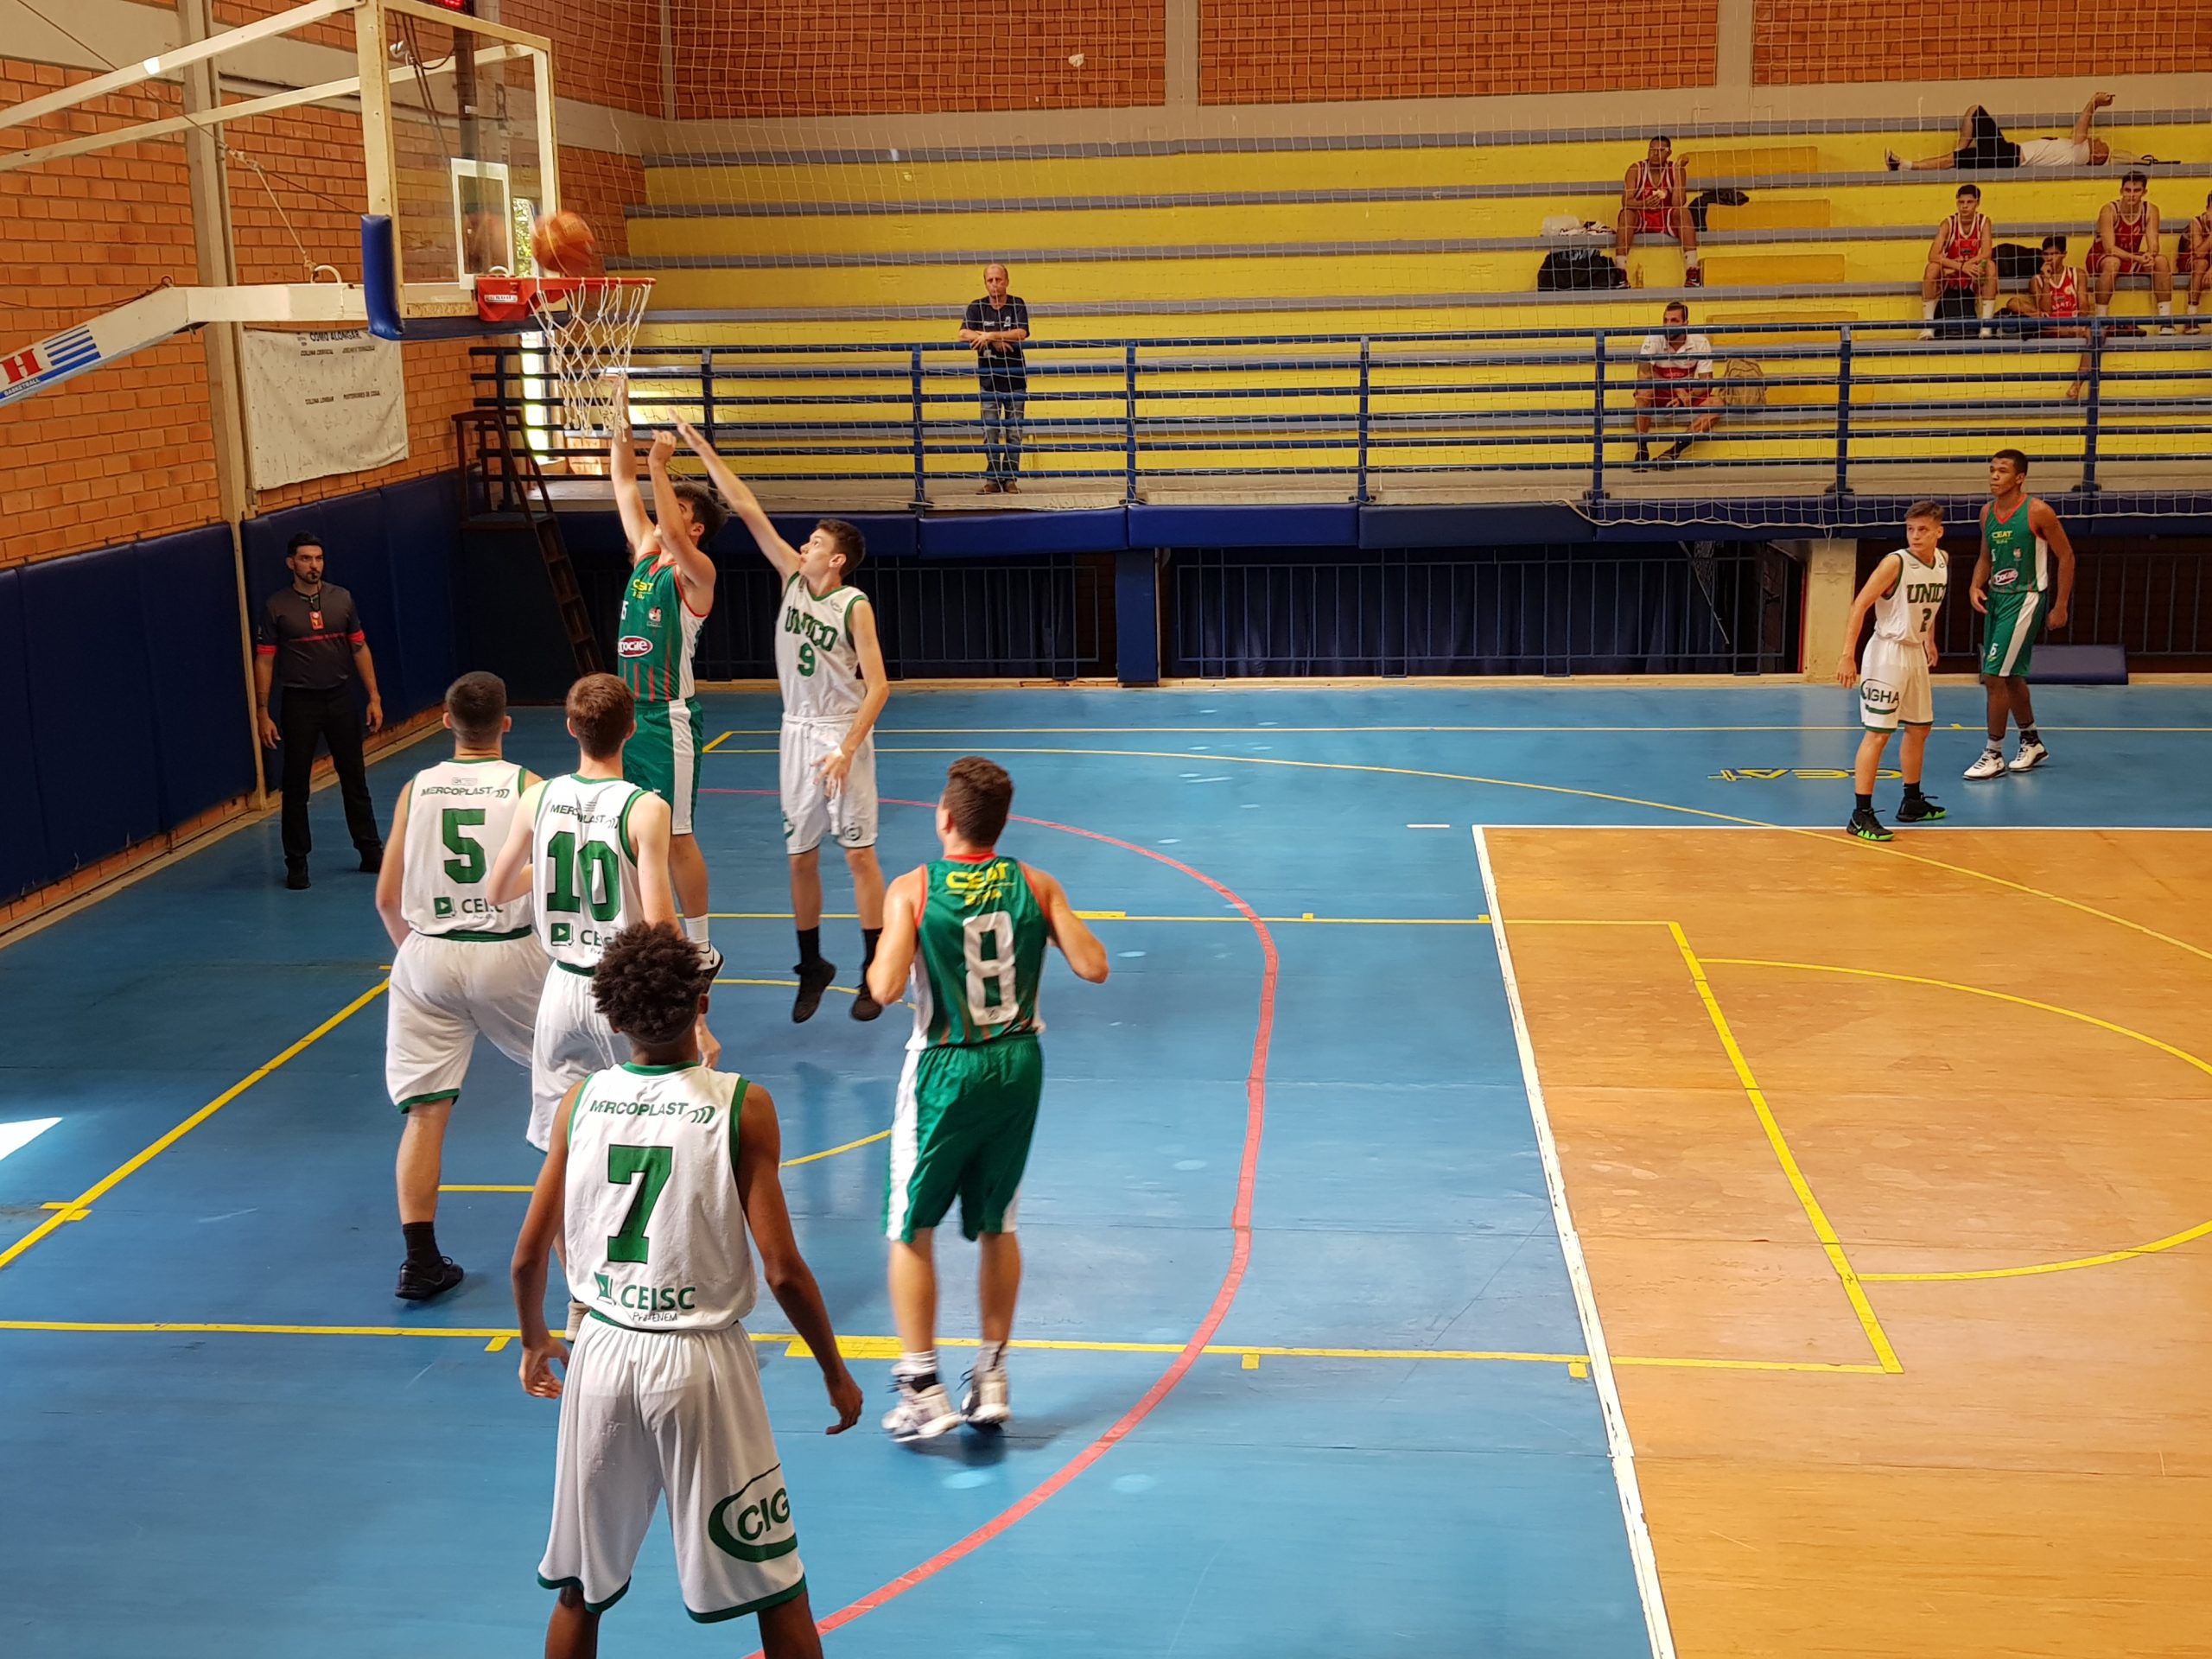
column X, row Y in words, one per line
column 634, row 644
column 740, row 1526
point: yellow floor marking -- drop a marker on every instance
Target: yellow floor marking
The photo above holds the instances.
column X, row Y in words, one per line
column 1843, row 1369
column 1251, row 1362
column 1826, row 837
column 709, row 749
column 1578, row 1368
column 115, row 1177
column 788, row 1163
column 1852, row 1286
column 69, row 1211
column 496, row 1343
column 2202, row 1229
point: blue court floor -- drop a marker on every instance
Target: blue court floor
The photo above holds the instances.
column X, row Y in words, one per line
column 1306, row 1019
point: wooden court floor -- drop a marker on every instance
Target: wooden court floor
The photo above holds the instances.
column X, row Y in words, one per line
column 1916, row 1143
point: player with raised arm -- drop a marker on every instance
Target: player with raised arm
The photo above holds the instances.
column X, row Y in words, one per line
column 971, row 928
column 664, row 604
column 829, row 665
column 2020, row 537
column 1904, row 593
column 462, row 965
column 592, row 849
column 661, row 1168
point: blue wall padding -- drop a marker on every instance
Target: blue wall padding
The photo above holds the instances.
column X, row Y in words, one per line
column 23, row 859
column 970, row 535
column 419, row 524
column 188, row 596
column 91, row 705
column 1301, row 526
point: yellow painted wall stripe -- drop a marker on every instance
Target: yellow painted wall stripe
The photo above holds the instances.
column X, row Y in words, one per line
column 123, row 1172
column 1853, row 1288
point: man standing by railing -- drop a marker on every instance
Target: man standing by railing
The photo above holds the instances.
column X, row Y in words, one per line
column 994, row 328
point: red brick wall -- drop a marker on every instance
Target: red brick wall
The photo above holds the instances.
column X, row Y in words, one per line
column 128, row 451
column 1306, row 51
column 873, row 57
column 1800, row 42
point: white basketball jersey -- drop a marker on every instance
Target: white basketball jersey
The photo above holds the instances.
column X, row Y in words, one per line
column 458, row 815
column 655, row 1229
column 816, row 662
column 584, row 867
column 1904, row 613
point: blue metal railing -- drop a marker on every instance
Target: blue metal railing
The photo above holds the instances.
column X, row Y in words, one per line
column 1558, row 406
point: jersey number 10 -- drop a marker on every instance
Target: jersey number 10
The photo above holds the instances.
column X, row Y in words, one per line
column 582, row 876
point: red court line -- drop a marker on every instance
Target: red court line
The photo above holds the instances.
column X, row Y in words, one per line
column 1240, row 1256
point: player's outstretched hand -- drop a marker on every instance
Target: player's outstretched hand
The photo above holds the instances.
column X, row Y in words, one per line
column 833, row 767
column 845, row 1397
column 663, row 447
column 537, row 1378
column 1847, row 670
column 690, row 435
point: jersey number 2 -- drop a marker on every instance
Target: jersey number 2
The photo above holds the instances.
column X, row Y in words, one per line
column 993, row 990
column 624, row 1165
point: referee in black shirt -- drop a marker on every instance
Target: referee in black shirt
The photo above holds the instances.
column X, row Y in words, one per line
column 309, row 642
column 995, row 326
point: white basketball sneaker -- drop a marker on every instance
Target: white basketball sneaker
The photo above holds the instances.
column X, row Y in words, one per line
column 985, row 1405
column 2030, row 756
column 921, row 1414
column 1989, row 764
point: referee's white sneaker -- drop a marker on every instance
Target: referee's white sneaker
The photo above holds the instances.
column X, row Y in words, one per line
column 1989, row 764
column 921, row 1414
column 2030, row 756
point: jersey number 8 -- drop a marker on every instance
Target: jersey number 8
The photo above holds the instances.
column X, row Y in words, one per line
column 995, row 972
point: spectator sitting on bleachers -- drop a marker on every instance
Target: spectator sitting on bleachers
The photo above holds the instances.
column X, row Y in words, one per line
column 2128, row 246
column 1961, row 256
column 2196, row 259
column 1674, row 371
column 1655, row 201
column 2053, row 301
column 1982, row 142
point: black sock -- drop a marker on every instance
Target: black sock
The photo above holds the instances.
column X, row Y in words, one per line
column 2028, row 735
column 422, row 1239
column 1866, row 803
column 870, row 937
column 1912, row 791
column 809, row 946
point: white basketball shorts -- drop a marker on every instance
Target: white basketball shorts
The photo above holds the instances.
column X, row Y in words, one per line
column 1893, row 686
column 573, row 1040
column 679, row 1412
column 444, row 994
column 812, row 812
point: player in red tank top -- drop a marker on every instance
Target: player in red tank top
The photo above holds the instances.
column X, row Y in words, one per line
column 1655, row 201
column 1960, row 257
column 2055, row 297
column 2128, row 245
column 2196, row 254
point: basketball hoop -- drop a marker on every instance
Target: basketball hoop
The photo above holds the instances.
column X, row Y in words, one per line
column 589, row 324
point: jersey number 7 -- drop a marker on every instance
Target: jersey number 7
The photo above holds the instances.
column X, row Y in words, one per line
column 624, row 1165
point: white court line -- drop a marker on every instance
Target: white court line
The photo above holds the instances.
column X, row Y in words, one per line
column 1618, row 1451
column 14, row 1137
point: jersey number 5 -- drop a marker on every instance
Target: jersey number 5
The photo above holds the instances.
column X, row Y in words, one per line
column 624, row 1165
column 993, row 990
column 466, row 868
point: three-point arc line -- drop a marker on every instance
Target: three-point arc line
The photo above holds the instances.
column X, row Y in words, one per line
column 1240, row 1221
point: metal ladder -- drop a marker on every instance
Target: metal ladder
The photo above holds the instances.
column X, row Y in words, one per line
column 503, row 488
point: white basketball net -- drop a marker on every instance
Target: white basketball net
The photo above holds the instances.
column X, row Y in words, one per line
column 588, row 333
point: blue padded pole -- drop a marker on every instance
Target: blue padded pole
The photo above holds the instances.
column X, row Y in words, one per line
column 380, row 277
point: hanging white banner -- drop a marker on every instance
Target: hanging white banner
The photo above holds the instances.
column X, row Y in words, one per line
column 322, row 402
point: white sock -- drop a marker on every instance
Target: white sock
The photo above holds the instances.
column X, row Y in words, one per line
column 694, row 929
column 921, row 1364
column 2165, row 308
column 991, row 1356
column 1692, row 258
column 1988, row 309
column 2100, row 310
column 1928, row 310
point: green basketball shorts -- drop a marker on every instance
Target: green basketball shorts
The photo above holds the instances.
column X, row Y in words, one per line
column 961, row 1131
column 663, row 755
column 2009, row 631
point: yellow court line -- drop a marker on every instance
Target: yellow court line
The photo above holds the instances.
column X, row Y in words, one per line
column 123, row 1172
column 1825, row 837
column 2171, row 1240
column 1852, row 1288
column 852, row 1347
column 709, row 749
column 788, row 1163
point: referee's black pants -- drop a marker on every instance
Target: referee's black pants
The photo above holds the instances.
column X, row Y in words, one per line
column 334, row 718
